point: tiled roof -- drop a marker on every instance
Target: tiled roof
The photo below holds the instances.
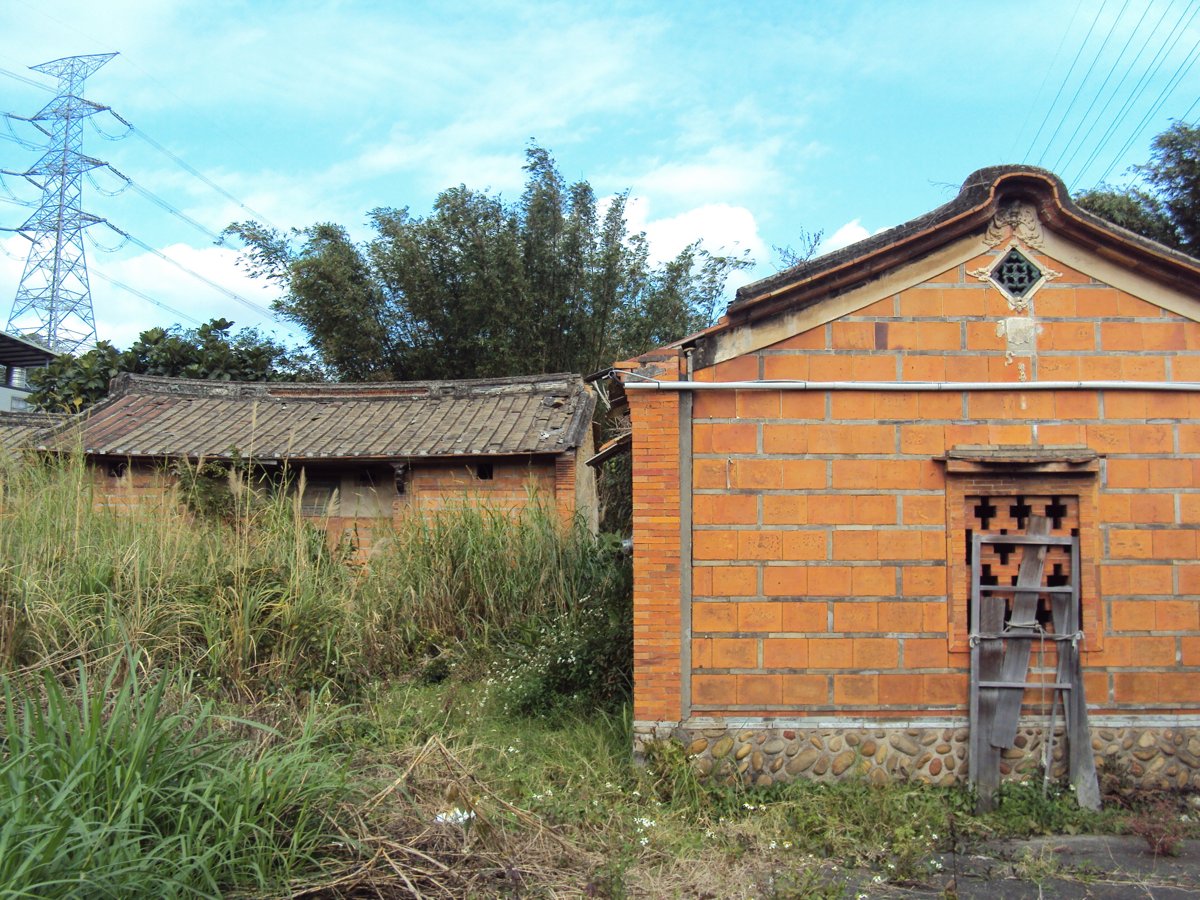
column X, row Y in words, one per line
column 167, row 417
column 19, row 430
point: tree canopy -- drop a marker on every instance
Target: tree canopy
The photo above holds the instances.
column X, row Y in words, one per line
column 483, row 287
column 1165, row 205
column 211, row 351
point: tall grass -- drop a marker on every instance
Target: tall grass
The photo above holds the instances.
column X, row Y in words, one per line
column 475, row 575
column 259, row 598
column 113, row 783
column 104, row 792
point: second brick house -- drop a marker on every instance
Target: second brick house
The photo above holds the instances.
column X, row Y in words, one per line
column 895, row 485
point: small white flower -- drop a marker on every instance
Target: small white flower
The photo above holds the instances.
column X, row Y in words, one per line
column 644, row 841
column 878, row 879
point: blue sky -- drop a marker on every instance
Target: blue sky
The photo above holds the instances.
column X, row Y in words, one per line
column 739, row 124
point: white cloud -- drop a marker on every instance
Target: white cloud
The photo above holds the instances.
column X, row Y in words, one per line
column 850, row 233
column 720, row 227
column 731, row 172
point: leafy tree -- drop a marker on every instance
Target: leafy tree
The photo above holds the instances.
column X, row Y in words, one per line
column 211, row 351
column 483, row 287
column 1166, row 205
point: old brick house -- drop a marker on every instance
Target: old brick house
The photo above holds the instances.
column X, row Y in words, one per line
column 369, row 452
column 839, row 487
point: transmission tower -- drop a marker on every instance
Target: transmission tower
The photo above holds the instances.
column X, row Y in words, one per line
column 54, row 300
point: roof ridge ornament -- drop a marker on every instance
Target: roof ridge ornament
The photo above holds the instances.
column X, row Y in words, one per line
column 1021, row 218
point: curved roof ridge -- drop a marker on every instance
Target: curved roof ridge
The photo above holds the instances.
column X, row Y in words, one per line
column 979, row 197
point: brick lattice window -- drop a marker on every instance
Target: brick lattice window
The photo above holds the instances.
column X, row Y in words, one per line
column 980, row 497
column 1016, row 274
column 1009, row 514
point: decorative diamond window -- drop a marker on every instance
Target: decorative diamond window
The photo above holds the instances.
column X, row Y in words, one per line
column 1016, row 274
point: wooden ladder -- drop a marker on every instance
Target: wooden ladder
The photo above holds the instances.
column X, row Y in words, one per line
column 1000, row 653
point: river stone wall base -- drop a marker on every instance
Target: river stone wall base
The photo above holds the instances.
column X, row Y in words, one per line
column 1140, row 757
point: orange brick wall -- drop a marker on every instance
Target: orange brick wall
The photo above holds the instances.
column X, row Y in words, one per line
column 824, row 582
column 657, row 618
column 434, row 486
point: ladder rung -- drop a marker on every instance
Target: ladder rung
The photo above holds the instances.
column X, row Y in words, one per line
column 1022, row 636
column 1058, row 686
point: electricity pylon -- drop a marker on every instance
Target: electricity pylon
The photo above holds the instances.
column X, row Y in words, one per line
column 54, row 300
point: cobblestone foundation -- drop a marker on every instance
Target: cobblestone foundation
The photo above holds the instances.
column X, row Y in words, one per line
column 1147, row 757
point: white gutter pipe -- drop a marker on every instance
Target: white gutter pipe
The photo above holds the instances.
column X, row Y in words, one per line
column 913, row 386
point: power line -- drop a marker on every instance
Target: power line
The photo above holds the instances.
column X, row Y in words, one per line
column 233, row 295
column 1075, row 146
column 1174, row 34
column 163, row 204
column 1188, row 114
column 1086, row 76
column 190, row 170
column 29, row 81
column 1066, row 78
column 1029, row 109
column 1189, row 61
column 16, row 138
column 145, row 297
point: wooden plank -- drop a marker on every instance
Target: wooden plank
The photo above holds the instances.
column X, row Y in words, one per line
column 1081, row 762
column 1007, row 636
column 1016, row 654
column 987, row 765
column 974, row 743
column 1060, row 612
column 1010, row 589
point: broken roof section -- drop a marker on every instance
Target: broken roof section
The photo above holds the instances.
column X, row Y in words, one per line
column 167, row 417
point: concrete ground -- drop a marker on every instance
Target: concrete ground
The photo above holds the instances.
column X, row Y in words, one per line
column 1067, row 867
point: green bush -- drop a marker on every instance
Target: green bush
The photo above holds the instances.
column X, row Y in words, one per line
column 577, row 662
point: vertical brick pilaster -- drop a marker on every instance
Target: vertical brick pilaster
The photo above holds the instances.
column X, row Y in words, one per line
column 657, row 623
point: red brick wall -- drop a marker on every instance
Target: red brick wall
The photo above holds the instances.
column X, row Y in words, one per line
column 430, row 486
column 825, row 577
